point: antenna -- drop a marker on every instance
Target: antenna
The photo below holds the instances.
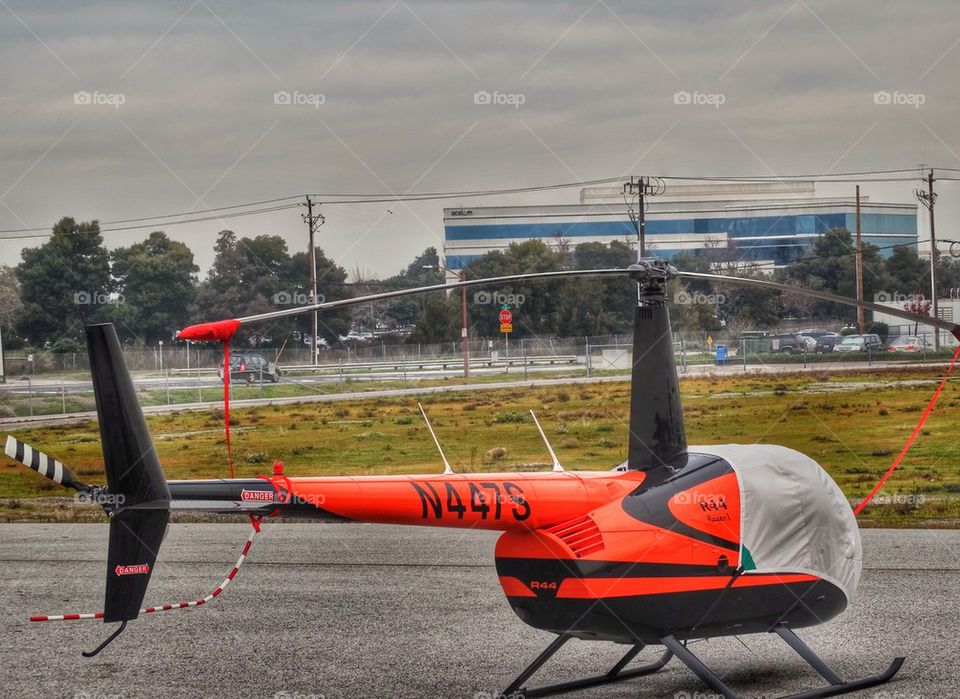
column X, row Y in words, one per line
column 447, row 471
column 556, row 461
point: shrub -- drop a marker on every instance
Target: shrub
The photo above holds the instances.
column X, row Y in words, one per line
column 509, row 417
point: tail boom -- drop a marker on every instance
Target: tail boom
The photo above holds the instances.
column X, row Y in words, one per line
column 495, row 501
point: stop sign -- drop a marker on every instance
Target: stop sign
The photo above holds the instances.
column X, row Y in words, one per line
column 506, row 316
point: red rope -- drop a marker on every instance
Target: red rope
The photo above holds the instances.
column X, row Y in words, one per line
column 911, row 440
column 254, row 520
column 226, row 403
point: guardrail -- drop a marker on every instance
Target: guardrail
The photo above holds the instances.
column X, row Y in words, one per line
column 409, row 364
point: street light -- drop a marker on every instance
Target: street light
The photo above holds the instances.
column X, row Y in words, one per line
column 462, row 276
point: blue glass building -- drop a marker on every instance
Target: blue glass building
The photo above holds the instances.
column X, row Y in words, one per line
column 767, row 232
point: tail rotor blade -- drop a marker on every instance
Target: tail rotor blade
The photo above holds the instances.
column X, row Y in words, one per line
column 41, row 463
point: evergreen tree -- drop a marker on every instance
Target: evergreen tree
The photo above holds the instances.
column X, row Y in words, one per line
column 64, row 284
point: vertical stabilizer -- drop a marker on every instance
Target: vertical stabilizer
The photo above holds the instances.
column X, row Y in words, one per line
column 657, row 435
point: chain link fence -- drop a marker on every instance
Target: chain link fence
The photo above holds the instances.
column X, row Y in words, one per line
column 178, row 374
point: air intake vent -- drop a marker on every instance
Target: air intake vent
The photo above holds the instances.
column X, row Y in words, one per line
column 581, row 534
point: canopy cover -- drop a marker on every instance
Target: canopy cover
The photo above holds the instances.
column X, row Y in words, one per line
column 793, row 517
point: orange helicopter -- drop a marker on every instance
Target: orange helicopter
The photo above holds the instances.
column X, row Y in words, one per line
column 678, row 543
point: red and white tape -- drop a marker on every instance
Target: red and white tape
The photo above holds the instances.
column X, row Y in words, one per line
column 177, row 605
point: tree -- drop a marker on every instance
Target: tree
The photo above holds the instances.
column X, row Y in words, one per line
column 157, row 280
column 65, row 283
column 589, row 306
column 331, row 286
column 832, row 267
column 246, row 278
column 437, row 322
column 10, row 303
column 534, row 301
column 423, row 271
column 909, row 274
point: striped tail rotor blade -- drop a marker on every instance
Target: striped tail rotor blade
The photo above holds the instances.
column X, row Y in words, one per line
column 41, row 463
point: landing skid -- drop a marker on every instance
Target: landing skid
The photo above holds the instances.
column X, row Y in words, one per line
column 615, row 674
column 618, row 673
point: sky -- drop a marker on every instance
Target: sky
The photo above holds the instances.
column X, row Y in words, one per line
column 116, row 110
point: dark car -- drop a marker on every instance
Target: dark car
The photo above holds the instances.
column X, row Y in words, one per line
column 251, row 368
column 826, row 340
column 788, row 343
column 860, row 343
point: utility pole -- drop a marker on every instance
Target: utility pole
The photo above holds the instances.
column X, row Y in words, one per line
column 860, row 319
column 313, row 222
column 641, row 187
column 928, row 198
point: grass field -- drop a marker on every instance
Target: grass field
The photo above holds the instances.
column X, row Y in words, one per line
column 853, row 424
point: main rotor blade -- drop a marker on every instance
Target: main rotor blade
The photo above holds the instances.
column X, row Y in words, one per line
column 435, row 287
column 827, row 296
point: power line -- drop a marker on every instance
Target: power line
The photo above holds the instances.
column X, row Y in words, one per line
column 46, row 232
column 355, row 198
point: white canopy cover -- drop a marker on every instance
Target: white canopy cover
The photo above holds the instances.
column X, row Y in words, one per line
column 793, row 517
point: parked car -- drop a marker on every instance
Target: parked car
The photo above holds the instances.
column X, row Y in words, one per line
column 788, row 343
column 811, row 342
column 910, row 343
column 251, row 368
column 827, row 341
column 860, row 343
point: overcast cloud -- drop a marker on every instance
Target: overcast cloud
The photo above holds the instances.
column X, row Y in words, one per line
column 198, row 126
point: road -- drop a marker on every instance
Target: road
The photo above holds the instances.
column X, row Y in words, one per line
column 371, row 611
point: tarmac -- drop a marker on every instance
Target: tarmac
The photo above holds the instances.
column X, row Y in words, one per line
column 343, row 610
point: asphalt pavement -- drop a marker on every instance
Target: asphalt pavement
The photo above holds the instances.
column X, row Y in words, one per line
column 375, row 611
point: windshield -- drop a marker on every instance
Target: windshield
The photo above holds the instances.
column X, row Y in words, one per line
column 852, row 341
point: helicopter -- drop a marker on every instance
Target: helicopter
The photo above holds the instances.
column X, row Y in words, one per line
column 677, row 544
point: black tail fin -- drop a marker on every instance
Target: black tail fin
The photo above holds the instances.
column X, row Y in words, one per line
column 657, row 435
column 138, row 492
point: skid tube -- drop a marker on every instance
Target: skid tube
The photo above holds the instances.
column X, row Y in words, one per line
column 836, row 687
column 618, row 673
column 615, row 674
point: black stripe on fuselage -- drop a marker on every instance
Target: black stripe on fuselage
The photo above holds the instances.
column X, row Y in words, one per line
column 527, row 569
column 685, row 615
column 652, row 506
